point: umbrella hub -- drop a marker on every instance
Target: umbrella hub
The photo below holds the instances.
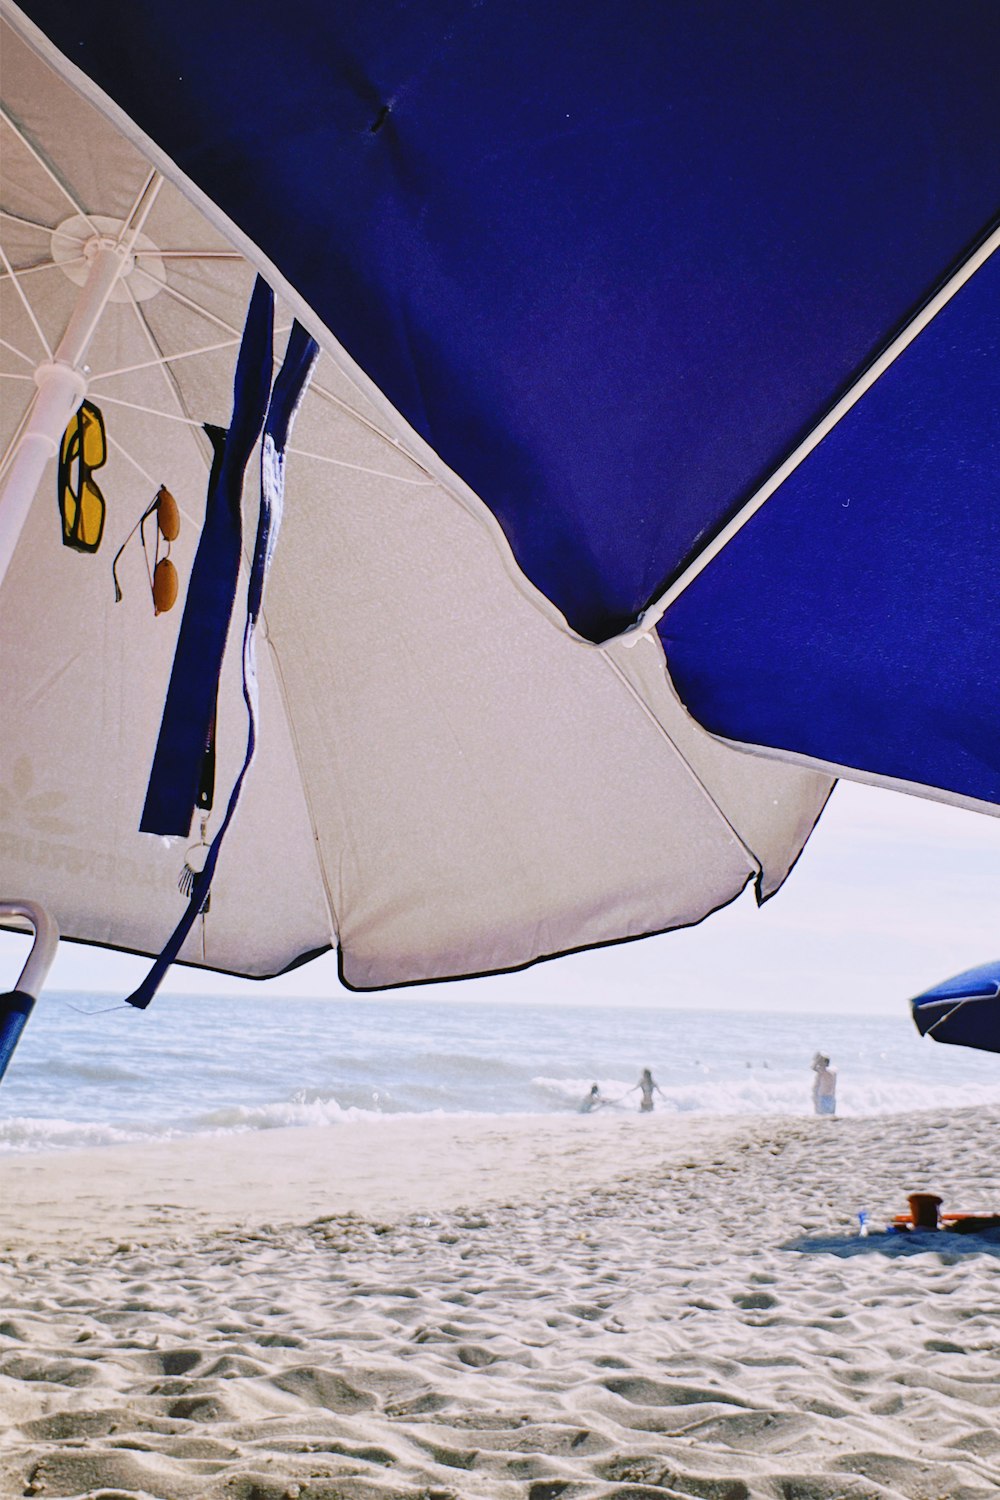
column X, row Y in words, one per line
column 78, row 240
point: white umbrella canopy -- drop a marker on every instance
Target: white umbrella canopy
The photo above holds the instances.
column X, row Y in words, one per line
column 448, row 780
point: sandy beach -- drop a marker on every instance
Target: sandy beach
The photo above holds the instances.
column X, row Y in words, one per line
column 579, row 1307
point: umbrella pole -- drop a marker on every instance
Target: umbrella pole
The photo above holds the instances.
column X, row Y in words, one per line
column 17, row 1005
column 62, row 385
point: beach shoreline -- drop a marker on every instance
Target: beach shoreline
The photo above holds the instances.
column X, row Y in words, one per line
column 374, row 1169
column 503, row 1309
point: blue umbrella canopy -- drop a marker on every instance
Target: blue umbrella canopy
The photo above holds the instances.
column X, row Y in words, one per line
column 962, row 1010
column 447, row 778
column 625, row 282
column 614, row 266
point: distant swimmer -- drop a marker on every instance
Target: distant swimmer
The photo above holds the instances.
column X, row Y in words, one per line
column 592, row 1101
column 824, row 1089
column 647, row 1086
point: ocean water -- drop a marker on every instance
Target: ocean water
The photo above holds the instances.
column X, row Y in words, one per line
column 89, row 1071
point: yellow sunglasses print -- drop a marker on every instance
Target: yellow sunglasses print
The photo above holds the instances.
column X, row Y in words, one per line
column 81, row 504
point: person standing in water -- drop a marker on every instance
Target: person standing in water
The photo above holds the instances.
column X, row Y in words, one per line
column 592, row 1101
column 824, row 1089
column 647, row 1085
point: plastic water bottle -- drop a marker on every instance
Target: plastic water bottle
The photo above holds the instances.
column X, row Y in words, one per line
column 863, row 1223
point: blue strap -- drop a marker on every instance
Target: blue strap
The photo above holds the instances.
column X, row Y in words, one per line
column 288, row 388
column 201, row 642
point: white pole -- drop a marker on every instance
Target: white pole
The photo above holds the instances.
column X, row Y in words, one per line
column 44, row 947
column 62, row 385
column 17, row 1004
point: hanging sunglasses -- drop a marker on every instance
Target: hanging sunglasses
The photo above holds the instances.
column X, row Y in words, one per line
column 81, row 505
column 163, row 584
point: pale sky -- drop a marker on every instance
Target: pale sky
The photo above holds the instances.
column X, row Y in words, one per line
column 891, row 894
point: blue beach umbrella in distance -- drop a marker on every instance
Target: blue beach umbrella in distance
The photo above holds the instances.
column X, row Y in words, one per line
column 963, row 1010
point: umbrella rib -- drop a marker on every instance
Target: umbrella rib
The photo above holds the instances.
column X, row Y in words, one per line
column 58, row 233
column 165, row 359
column 141, row 209
column 42, row 265
column 946, row 1017
column 27, row 305
column 202, row 312
column 160, row 363
column 338, row 463
column 152, row 411
column 314, row 389
column 192, row 422
column 5, row 213
column 343, row 463
column 372, row 427
column 655, row 611
column 188, row 254
column 45, row 166
column 279, row 677
column 236, row 335
column 959, row 1005
column 120, row 448
column 6, row 344
column 182, row 414
column 692, row 773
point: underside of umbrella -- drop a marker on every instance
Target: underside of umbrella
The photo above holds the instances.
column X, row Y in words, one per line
column 449, row 779
column 624, row 275
column 963, row 1010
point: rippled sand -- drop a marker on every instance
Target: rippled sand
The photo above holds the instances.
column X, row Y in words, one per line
column 580, row 1308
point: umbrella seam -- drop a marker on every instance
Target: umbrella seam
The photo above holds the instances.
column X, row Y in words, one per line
column 855, row 393
column 168, row 374
column 858, row 774
column 279, row 677
column 46, row 166
column 655, row 721
column 959, row 1004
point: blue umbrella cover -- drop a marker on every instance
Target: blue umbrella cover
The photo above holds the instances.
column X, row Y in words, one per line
column 963, row 1010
